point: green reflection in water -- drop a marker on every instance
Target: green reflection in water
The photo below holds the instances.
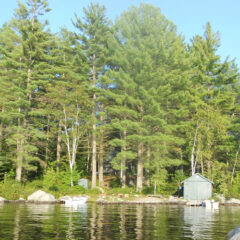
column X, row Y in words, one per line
column 92, row 221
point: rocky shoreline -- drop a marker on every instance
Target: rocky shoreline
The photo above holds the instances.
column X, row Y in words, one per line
column 41, row 197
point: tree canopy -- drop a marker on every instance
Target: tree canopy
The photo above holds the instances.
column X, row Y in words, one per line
column 129, row 101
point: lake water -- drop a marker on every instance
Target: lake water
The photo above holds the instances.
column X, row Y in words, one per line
column 92, row 221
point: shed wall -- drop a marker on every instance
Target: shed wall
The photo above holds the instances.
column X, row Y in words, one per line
column 197, row 190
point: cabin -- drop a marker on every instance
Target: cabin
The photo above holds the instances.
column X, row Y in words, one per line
column 197, row 187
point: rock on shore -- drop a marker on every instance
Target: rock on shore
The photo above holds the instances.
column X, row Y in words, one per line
column 142, row 200
column 41, row 196
column 3, row 199
column 233, row 201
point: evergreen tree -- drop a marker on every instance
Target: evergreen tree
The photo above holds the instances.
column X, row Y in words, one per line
column 148, row 81
column 28, row 72
column 212, row 88
column 93, row 33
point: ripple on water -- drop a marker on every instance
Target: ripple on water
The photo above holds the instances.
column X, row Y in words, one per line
column 92, row 221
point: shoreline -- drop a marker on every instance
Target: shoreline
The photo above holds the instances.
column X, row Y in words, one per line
column 41, row 197
column 141, row 201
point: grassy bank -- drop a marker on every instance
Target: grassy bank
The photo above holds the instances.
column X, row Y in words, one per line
column 13, row 190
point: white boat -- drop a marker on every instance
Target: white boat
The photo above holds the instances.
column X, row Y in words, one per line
column 74, row 201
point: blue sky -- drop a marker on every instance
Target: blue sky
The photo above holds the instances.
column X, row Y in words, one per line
column 190, row 17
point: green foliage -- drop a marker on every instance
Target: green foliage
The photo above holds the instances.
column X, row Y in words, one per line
column 51, row 179
column 156, row 103
column 36, row 184
column 115, row 183
column 178, row 177
column 126, row 190
column 233, row 191
column 94, row 191
column 61, row 181
column 11, row 190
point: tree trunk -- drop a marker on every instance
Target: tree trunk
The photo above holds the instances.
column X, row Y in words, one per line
column 19, row 159
column 101, row 149
column 19, row 162
column 202, row 165
column 123, row 161
column 193, row 161
column 140, row 167
column 94, row 141
column 235, row 163
column 29, row 95
column 155, row 187
column 71, row 149
column 1, row 133
column 1, row 137
column 148, row 166
column 181, row 157
column 47, row 140
column 20, row 140
column 88, row 153
column 209, row 169
column 94, row 157
column 73, row 157
column 59, row 139
column 100, row 170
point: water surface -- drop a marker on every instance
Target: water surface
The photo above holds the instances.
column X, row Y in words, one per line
column 92, row 221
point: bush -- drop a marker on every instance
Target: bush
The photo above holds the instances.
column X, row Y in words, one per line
column 94, row 191
column 36, row 184
column 126, row 190
column 115, row 183
column 11, row 189
column 233, row 191
column 51, row 179
column 148, row 190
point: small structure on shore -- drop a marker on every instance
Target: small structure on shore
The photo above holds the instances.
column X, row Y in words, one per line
column 83, row 182
column 197, row 187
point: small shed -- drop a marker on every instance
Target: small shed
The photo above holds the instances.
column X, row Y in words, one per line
column 197, row 187
column 83, row 183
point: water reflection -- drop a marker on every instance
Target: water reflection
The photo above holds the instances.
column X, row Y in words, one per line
column 40, row 211
column 139, row 222
column 93, row 222
column 198, row 220
column 122, row 212
column 23, row 221
column 16, row 225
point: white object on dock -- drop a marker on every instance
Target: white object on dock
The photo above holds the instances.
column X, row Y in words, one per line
column 210, row 204
column 75, row 201
column 215, row 205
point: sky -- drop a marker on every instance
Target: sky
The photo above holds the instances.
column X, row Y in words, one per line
column 190, row 17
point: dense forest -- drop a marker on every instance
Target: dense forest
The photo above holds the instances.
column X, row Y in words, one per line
column 130, row 101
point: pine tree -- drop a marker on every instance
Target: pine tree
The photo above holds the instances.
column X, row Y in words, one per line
column 93, row 34
column 146, row 85
column 212, row 88
column 28, row 71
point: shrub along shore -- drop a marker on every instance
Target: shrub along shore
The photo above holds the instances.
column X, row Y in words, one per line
column 15, row 192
